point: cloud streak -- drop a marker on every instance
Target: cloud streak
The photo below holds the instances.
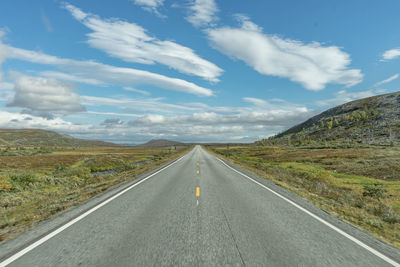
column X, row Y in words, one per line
column 131, row 43
column 93, row 72
column 388, row 80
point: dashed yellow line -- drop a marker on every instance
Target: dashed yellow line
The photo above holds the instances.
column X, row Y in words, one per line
column 197, row 191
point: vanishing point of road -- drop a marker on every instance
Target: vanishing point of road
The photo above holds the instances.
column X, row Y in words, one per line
column 201, row 211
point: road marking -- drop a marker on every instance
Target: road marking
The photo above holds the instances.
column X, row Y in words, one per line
column 198, row 172
column 77, row 219
column 355, row 240
column 197, row 202
column 197, row 191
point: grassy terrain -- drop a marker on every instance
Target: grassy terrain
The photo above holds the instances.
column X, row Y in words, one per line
column 38, row 183
column 37, row 137
column 360, row 185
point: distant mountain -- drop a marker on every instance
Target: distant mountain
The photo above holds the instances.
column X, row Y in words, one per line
column 372, row 120
column 36, row 137
column 162, row 143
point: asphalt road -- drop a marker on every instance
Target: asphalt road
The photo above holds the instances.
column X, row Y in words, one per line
column 200, row 212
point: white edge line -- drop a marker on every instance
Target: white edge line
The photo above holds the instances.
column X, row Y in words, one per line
column 77, row 219
column 355, row 240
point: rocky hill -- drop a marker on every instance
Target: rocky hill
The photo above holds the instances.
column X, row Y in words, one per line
column 372, row 120
column 36, row 137
column 161, row 143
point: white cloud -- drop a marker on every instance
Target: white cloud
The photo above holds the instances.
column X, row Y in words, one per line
column 94, row 71
column 127, row 88
column 391, row 54
column 150, row 5
column 45, row 96
column 312, row 65
column 17, row 120
column 131, row 43
column 343, row 96
column 202, row 12
column 388, row 80
column 69, row 77
column 267, row 115
column 255, row 101
column 201, row 122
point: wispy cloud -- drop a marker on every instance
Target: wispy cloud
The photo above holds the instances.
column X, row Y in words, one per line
column 131, row 89
column 312, row 65
column 131, row 43
column 150, row 5
column 202, row 12
column 255, row 101
column 343, row 96
column 391, row 54
column 46, row 21
column 388, row 80
column 69, row 77
column 91, row 71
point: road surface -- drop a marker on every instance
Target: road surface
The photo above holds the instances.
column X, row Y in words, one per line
column 201, row 212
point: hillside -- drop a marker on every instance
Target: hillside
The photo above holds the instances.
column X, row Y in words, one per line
column 161, row 143
column 36, row 137
column 372, row 120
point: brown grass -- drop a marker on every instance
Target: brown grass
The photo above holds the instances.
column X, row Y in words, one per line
column 36, row 187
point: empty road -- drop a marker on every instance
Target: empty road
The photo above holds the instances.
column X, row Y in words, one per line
column 200, row 212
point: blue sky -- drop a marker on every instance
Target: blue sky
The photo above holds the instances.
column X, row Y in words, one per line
column 128, row 71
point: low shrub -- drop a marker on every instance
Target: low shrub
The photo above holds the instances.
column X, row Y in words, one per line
column 392, row 219
column 22, row 180
column 375, row 190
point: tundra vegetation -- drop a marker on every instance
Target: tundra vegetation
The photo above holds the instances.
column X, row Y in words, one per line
column 37, row 183
column 358, row 183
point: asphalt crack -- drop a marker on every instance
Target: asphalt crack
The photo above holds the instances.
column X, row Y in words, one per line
column 233, row 237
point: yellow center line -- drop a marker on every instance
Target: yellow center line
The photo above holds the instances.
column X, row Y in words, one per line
column 197, row 191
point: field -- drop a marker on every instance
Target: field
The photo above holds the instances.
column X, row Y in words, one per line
column 360, row 185
column 37, row 183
